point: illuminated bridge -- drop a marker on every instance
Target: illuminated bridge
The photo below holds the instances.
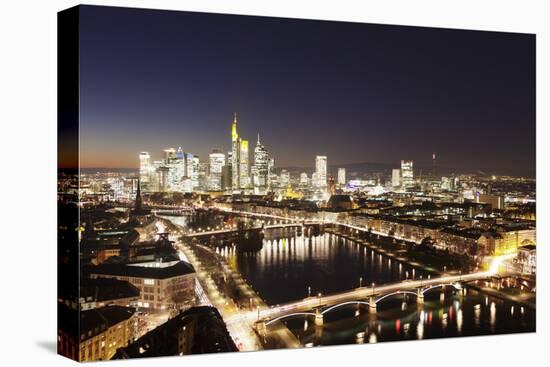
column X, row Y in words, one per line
column 317, row 307
column 224, row 231
column 171, row 211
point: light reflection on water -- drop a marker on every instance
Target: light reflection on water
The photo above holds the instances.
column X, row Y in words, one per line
column 285, row 267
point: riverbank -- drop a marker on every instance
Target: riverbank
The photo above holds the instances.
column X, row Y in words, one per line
column 523, row 301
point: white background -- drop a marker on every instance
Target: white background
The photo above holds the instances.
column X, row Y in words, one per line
column 28, row 180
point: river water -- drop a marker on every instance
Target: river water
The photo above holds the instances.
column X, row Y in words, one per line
column 291, row 266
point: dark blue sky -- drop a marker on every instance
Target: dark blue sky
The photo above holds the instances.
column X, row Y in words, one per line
column 355, row 92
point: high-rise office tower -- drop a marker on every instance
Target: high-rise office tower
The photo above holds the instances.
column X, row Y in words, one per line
column 396, row 177
column 285, row 178
column 189, row 158
column 407, row 175
column 203, row 176
column 226, row 177
column 169, row 153
column 162, row 178
column 320, row 172
column 341, row 177
column 216, row 163
column 176, row 169
column 235, row 154
column 261, row 168
column 270, row 173
column 145, row 170
column 244, row 165
column 195, row 166
column 303, row 179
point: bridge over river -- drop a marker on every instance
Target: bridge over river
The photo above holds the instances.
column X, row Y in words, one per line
column 316, row 307
column 229, row 231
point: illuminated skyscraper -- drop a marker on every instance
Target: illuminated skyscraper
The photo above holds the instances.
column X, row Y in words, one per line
column 407, row 175
column 396, row 177
column 195, row 166
column 240, row 166
column 341, row 176
column 244, row 165
column 169, row 153
column 285, row 178
column 203, row 176
column 190, row 168
column 162, row 178
column 270, row 173
column 303, row 179
column 261, row 168
column 216, row 163
column 235, row 154
column 178, row 170
column 320, row 172
column 145, row 170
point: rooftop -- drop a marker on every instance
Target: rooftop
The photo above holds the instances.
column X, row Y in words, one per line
column 152, row 269
column 106, row 289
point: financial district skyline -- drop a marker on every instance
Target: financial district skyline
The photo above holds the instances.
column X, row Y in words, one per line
column 252, row 171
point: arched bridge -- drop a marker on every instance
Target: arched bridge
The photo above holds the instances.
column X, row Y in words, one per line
column 223, row 231
column 371, row 303
column 369, row 296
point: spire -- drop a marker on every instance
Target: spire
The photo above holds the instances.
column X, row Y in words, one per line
column 137, row 204
column 259, row 139
column 234, row 134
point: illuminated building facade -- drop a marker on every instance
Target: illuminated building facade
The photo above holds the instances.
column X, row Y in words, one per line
column 145, row 169
column 235, row 154
column 407, row 175
column 341, row 176
column 261, row 168
column 240, row 166
column 244, row 165
column 304, row 180
column 396, row 177
column 195, row 164
column 320, row 181
column 174, row 173
column 215, row 166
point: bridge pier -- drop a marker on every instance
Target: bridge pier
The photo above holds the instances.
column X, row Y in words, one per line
column 419, row 297
column 318, row 318
column 372, row 305
column 260, row 327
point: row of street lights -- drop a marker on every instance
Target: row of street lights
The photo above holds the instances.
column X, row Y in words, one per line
column 360, row 286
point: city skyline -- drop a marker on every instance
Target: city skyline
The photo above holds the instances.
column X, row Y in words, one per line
column 250, row 183
column 360, row 102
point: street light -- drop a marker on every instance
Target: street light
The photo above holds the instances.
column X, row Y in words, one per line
column 309, row 291
column 373, row 288
column 360, row 282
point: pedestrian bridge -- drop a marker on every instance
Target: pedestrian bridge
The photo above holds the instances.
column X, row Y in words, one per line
column 317, row 307
column 371, row 303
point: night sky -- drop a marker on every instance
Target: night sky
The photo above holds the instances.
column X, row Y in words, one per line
column 355, row 92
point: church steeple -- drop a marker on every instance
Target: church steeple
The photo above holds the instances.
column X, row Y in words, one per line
column 138, row 204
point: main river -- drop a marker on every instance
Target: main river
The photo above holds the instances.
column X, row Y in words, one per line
column 290, row 266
